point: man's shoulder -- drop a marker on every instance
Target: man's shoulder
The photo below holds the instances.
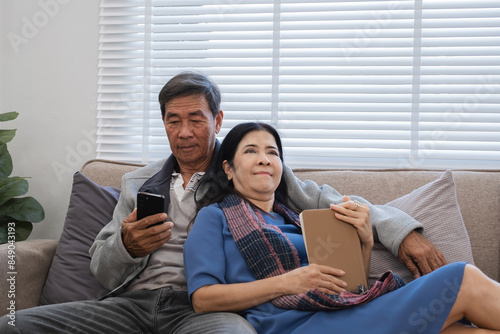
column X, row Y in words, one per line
column 147, row 171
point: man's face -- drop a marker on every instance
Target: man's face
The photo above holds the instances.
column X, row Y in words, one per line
column 191, row 130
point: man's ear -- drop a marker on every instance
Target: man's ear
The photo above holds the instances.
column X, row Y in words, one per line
column 218, row 121
column 227, row 169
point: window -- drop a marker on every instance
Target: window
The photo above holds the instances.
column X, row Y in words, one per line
column 355, row 84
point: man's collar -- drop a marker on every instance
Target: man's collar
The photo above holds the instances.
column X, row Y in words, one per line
column 160, row 182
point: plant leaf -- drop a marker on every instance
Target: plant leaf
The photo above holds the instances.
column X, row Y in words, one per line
column 12, row 187
column 26, row 209
column 21, row 231
column 7, row 135
column 5, row 161
column 8, row 116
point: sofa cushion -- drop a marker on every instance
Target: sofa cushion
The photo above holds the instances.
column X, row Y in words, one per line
column 91, row 207
column 435, row 206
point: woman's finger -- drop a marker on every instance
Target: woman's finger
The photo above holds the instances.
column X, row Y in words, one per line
column 360, row 212
column 332, row 285
column 330, row 271
column 333, row 290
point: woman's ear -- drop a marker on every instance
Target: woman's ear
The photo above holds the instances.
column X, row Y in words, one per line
column 227, row 169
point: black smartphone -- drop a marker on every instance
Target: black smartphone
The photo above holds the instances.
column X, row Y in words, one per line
column 149, row 204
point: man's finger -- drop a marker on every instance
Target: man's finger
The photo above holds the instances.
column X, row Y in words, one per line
column 163, row 230
column 162, row 238
column 424, row 266
column 132, row 217
column 435, row 261
column 151, row 220
column 439, row 259
column 442, row 259
column 412, row 267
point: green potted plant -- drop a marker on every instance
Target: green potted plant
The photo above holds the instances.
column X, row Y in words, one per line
column 16, row 213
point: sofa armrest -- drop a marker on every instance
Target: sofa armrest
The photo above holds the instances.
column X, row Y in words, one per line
column 23, row 284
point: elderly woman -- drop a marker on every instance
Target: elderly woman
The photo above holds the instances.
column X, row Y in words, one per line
column 245, row 253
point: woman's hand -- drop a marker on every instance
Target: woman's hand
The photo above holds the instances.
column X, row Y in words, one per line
column 358, row 215
column 314, row 276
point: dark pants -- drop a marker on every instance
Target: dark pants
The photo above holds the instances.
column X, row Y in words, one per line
column 160, row 311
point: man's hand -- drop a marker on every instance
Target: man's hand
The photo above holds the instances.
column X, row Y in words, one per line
column 140, row 239
column 420, row 255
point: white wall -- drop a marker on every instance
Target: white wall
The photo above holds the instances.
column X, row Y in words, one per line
column 49, row 69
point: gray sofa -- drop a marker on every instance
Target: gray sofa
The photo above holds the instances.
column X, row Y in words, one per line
column 477, row 193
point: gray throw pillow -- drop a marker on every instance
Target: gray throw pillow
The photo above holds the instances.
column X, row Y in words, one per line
column 435, row 206
column 90, row 208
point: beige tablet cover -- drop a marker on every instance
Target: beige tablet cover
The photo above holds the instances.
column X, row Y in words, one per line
column 334, row 243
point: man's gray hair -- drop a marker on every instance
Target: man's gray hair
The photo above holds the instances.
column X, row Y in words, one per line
column 190, row 83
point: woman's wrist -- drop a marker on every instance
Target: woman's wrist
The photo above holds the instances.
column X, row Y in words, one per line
column 367, row 248
column 282, row 288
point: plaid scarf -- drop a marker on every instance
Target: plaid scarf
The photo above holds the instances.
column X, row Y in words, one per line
column 268, row 252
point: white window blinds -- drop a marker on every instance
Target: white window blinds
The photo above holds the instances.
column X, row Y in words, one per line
column 348, row 83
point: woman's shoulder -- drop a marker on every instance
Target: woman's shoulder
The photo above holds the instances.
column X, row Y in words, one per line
column 212, row 214
column 211, row 209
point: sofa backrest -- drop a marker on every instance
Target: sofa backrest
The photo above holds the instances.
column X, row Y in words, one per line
column 478, row 194
column 107, row 172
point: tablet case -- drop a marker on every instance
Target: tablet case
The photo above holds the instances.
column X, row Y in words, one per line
column 332, row 242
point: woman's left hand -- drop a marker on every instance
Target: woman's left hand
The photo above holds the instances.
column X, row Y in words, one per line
column 358, row 215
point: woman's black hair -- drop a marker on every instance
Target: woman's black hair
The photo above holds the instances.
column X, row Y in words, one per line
column 217, row 186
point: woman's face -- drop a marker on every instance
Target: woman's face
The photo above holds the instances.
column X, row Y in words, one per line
column 257, row 167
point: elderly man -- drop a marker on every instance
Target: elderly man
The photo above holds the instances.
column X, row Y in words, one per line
column 141, row 262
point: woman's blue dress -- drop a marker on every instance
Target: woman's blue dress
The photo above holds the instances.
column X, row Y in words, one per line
column 422, row 306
